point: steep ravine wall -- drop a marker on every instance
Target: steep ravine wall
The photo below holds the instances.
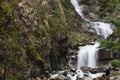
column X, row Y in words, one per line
column 36, row 37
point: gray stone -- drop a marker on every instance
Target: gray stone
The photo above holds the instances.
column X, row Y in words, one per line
column 61, row 77
column 97, row 8
column 94, row 16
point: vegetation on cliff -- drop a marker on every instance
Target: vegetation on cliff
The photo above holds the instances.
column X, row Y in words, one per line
column 113, row 41
column 33, row 35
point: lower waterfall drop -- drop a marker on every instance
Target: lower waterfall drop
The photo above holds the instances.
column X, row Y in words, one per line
column 87, row 55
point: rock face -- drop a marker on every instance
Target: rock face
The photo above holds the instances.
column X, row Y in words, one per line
column 36, row 36
column 97, row 9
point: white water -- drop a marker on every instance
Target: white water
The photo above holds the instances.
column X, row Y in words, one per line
column 87, row 55
column 78, row 9
column 56, row 75
column 92, row 76
column 101, row 28
column 73, row 76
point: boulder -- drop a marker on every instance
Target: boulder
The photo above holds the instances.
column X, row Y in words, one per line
column 80, row 79
column 99, row 78
column 37, row 78
column 61, row 77
column 93, row 16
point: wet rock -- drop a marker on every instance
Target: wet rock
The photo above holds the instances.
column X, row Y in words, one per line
column 84, row 68
column 104, row 55
column 92, row 70
column 115, row 74
column 72, row 59
column 85, row 27
column 61, row 77
column 96, row 70
column 99, row 78
column 93, row 16
column 37, row 78
column 80, row 79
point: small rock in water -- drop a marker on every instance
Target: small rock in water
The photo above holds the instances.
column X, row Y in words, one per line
column 80, row 79
column 94, row 16
column 99, row 78
column 37, row 78
column 61, row 77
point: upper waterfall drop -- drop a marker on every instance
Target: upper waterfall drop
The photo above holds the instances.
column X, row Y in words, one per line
column 78, row 9
column 101, row 28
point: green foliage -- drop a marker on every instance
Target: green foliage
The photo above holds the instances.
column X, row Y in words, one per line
column 118, row 6
column 106, row 43
column 115, row 21
column 114, row 41
column 109, row 6
column 53, row 4
column 33, row 54
column 6, row 7
column 115, row 63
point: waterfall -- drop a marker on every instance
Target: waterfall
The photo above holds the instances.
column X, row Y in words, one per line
column 78, row 9
column 87, row 54
column 102, row 28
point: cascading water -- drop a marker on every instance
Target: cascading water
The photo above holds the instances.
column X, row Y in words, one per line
column 87, row 54
column 78, row 9
column 102, row 28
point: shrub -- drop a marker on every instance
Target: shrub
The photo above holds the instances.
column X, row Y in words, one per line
column 115, row 63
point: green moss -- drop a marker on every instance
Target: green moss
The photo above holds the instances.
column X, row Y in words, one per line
column 33, row 54
column 7, row 7
column 115, row 63
column 72, row 38
column 100, row 78
column 109, row 6
column 107, row 44
column 114, row 41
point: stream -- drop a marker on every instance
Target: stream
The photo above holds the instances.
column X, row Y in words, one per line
column 87, row 55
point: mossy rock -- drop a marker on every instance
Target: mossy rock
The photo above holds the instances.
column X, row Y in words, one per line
column 80, row 79
column 99, row 78
column 115, row 63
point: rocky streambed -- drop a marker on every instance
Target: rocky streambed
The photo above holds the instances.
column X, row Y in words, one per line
column 100, row 73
